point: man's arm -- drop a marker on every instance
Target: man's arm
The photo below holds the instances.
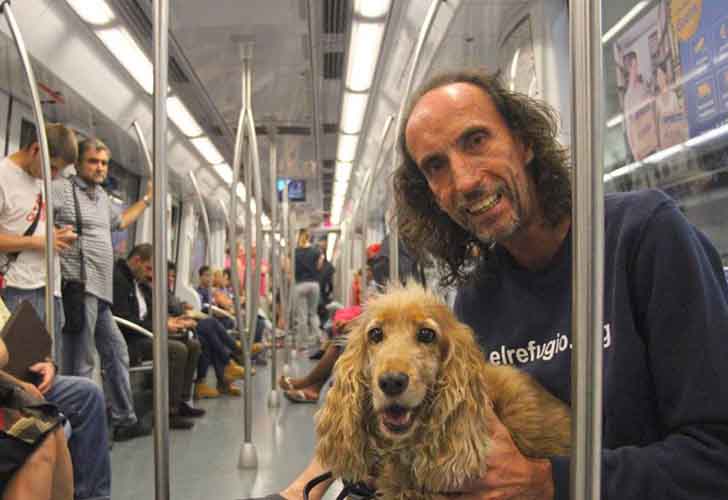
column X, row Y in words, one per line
column 681, row 304
column 132, row 213
column 63, row 238
column 3, row 354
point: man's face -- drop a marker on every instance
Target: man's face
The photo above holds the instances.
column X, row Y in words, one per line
column 94, row 166
column 473, row 164
column 206, row 279
column 141, row 269
column 171, row 278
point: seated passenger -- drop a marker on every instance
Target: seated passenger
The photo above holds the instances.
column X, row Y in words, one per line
column 34, row 459
column 204, row 288
column 133, row 302
column 307, row 389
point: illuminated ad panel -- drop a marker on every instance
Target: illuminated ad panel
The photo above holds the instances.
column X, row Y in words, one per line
column 672, row 66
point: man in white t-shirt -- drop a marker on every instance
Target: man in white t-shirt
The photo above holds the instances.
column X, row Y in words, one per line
column 22, row 220
column 22, row 261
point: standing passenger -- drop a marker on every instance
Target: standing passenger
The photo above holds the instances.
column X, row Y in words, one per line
column 22, row 243
column 94, row 253
column 309, row 261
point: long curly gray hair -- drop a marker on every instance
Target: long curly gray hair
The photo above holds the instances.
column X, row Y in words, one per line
column 428, row 229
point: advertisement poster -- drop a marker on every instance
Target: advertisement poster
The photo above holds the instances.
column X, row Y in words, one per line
column 649, row 84
column 701, row 27
column 672, row 74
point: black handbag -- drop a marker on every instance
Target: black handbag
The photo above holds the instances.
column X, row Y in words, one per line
column 74, row 291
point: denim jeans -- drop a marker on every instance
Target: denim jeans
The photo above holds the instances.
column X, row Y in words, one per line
column 82, row 402
column 14, row 296
column 305, row 303
column 100, row 329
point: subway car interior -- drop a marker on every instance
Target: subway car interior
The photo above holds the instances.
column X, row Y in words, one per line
column 226, row 131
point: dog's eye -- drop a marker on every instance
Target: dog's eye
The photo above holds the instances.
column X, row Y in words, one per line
column 426, row 335
column 376, row 335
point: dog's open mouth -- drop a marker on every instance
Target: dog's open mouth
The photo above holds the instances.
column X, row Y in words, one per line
column 397, row 419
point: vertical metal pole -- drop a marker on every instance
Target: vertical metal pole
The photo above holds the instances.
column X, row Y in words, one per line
column 286, row 307
column 159, row 306
column 313, row 37
column 248, row 456
column 424, row 33
column 364, row 218
column 365, row 197
column 203, row 211
column 292, row 298
column 588, row 248
column 274, row 396
column 45, row 160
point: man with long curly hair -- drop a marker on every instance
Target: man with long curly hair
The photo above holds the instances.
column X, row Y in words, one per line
column 483, row 171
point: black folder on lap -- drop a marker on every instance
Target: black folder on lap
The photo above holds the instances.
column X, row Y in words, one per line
column 27, row 341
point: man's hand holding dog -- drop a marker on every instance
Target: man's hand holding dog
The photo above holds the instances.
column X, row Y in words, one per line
column 510, row 475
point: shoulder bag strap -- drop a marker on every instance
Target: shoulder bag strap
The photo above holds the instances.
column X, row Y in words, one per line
column 79, row 230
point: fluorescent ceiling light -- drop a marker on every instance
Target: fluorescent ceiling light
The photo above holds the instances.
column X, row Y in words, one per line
column 352, row 112
column 240, row 190
column 622, row 171
column 366, row 38
column 372, row 8
column 95, row 12
column 207, row 149
column 134, row 60
column 615, row 120
column 224, row 171
column 347, row 147
column 341, row 186
column 619, row 25
column 343, row 171
column 181, row 116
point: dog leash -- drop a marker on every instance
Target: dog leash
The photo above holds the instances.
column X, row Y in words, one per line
column 351, row 490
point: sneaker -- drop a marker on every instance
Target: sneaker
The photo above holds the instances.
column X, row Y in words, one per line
column 179, row 422
column 204, row 391
column 186, row 410
column 127, row 432
column 234, row 371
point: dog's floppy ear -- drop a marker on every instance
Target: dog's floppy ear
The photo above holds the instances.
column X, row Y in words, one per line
column 457, row 427
column 342, row 423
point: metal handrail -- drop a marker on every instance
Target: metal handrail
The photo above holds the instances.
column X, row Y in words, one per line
column 588, row 248
column 365, row 197
column 424, row 32
column 50, row 251
column 133, row 326
column 313, row 38
column 273, row 398
column 159, row 305
column 203, row 212
column 145, row 149
column 248, row 456
column 288, row 284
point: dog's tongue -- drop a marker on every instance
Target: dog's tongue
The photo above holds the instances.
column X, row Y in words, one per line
column 397, row 415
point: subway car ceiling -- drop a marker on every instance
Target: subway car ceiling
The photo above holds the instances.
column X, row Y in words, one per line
column 90, row 81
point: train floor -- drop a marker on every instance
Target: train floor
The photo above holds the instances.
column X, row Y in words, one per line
column 204, row 460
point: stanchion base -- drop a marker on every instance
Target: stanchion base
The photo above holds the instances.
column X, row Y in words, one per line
column 248, row 456
column 274, row 399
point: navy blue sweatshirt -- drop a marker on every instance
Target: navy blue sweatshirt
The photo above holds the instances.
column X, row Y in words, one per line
column 665, row 423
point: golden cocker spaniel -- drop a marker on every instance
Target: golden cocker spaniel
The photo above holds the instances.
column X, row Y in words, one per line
column 411, row 396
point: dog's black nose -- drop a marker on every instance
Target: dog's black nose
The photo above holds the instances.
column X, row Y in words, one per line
column 393, row 383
